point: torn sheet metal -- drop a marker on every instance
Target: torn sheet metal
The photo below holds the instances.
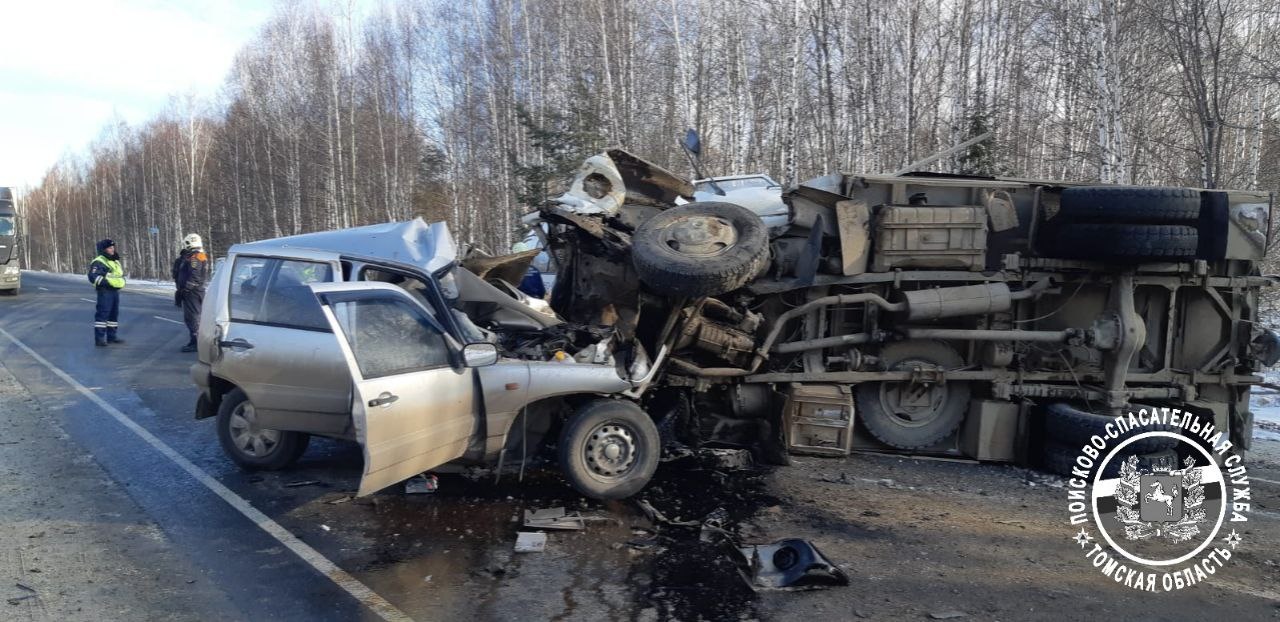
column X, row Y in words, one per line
column 553, row 518
column 791, row 564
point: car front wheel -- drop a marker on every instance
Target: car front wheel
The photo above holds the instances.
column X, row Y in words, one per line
column 609, row 449
column 250, row 445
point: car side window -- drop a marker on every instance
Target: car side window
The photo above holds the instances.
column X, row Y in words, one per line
column 248, row 284
column 389, row 336
column 289, row 301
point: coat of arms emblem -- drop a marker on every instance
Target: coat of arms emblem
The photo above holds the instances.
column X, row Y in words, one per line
column 1163, row 504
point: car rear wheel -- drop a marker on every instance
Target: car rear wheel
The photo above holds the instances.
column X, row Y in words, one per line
column 250, row 445
column 609, row 449
column 700, row 249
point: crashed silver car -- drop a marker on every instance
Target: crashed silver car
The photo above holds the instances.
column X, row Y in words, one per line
column 431, row 362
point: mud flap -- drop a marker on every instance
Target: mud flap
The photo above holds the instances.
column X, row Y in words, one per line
column 205, row 407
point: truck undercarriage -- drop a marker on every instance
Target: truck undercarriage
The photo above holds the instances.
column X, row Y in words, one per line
column 943, row 315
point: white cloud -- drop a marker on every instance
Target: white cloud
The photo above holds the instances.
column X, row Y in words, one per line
column 67, row 68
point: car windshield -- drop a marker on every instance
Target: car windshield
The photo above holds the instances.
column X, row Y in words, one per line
column 6, row 225
column 729, row 185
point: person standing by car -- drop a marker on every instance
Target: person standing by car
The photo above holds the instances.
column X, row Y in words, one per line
column 107, row 276
column 191, row 272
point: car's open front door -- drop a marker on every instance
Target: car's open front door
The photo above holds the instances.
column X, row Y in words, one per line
column 414, row 401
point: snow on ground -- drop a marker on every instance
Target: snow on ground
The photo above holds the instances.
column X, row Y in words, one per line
column 144, row 286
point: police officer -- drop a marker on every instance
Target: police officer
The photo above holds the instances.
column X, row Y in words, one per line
column 191, row 272
column 107, row 276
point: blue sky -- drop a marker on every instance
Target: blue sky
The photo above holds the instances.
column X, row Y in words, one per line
column 67, row 68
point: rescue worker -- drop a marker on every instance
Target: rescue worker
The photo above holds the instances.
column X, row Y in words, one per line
column 107, row 276
column 191, row 272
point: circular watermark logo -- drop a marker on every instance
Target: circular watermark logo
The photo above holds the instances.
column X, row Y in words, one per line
column 1159, row 497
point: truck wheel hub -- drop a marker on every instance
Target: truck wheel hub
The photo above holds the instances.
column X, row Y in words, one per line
column 701, row 236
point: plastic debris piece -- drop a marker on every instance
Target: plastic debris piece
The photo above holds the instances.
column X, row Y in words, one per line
column 422, row 484
column 531, row 542
column 791, row 564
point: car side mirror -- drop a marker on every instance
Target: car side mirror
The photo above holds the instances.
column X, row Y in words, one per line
column 479, row 354
column 692, row 142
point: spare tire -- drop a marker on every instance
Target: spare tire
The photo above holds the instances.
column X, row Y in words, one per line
column 1072, row 426
column 700, row 249
column 1130, row 204
column 913, row 416
column 1061, row 460
column 1122, row 242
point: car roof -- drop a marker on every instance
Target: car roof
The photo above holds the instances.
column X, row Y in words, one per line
column 732, row 178
column 427, row 246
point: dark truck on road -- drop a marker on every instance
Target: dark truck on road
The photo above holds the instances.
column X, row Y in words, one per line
column 10, row 274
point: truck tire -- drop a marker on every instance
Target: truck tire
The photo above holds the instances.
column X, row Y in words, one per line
column 251, row 447
column 1060, row 459
column 1123, row 242
column 700, row 249
column 1130, row 204
column 911, row 417
column 609, row 449
column 1072, row 426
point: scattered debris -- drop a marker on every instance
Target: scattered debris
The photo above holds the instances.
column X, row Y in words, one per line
column 422, row 484
column 325, row 527
column 301, row 483
column 531, row 541
column 948, row 615
column 340, row 500
column 732, row 459
column 553, row 518
column 658, row 517
column 791, row 564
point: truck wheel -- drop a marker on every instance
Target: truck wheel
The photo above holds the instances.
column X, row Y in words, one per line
column 251, row 446
column 1123, row 242
column 1130, row 204
column 700, row 249
column 1069, row 425
column 1060, row 459
column 911, row 416
column 609, row 449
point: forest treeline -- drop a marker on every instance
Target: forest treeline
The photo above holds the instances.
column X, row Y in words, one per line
column 473, row 111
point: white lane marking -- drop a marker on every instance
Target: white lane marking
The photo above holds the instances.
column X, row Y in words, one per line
column 87, row 300
column 168, row 320
column 1265, row 481
column 43, row 289
column 340, row 577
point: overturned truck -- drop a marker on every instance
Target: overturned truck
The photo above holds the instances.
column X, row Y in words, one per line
column 979, row 317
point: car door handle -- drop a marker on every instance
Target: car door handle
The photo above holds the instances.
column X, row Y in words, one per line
column 240, row 344
column 386, row 399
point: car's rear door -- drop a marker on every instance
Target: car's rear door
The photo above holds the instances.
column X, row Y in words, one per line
column 414, row 404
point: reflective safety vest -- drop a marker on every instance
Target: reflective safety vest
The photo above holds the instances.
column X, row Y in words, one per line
column 114, row 275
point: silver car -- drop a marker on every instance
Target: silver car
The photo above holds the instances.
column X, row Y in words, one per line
column 380, row 335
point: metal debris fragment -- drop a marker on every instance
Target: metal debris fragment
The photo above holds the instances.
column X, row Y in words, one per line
column 791, row 564
column 553, row 518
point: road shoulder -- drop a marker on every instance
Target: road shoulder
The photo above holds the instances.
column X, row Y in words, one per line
column 75, row 545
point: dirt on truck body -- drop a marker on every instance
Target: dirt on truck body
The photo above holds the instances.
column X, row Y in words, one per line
column 978, row 317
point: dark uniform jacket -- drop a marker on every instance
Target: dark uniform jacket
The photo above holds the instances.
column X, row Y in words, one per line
column 191, row 270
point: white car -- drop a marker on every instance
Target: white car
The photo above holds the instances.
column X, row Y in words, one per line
column 758, row 193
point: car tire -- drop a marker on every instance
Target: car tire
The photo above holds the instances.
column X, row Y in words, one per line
column 1130, row 204
column 254, row 448
column 1123, row 242
column 609, row 449
column 881, row 408
column 1072, row 426
column 700, row 249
